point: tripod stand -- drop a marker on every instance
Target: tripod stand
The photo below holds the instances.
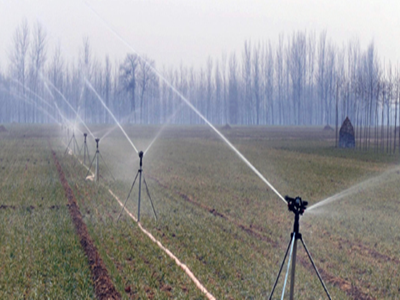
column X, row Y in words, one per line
column 74, row 142
column 85, row 149
column 140, row 174
column 96, row 158
column 297, row 206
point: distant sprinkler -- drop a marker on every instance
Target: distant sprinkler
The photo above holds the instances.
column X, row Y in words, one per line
column 297, row 206
column 139, row 173
column 74, row 143
column 85, row 149
column 96, row 158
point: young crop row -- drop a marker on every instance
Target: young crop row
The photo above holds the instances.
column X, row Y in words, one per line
column 40, row 254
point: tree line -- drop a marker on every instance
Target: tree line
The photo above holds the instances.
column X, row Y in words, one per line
column 305, row 79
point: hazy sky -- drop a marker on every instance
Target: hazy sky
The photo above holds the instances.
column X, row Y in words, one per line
column 188, row 31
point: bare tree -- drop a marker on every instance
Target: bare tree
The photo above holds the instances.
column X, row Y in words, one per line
column 128, row 77
column 38, row 57
column 146, row 77
column 209, row 90
column 233, row 95
column 18, row 57
column 107, row 86
column 269, row 84
column 257, row 82
column 56, row 74
column 247, row 103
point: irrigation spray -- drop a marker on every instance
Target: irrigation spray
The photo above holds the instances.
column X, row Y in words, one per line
column 182, row 97
column 112, row 115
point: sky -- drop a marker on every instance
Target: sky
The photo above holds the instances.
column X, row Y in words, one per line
column 187, row 32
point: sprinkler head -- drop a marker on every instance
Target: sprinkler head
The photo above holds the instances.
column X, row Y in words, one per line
column 141, row 157
column 97, row 143
column 85, row 134
column 296, row 205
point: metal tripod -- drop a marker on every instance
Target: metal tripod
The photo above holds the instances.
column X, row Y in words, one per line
column 85, row 150
column 75, row 144
column 96, row 158
column 297, row 206
column 140, row 174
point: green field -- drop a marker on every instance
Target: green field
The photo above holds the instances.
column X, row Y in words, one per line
column 214, row 214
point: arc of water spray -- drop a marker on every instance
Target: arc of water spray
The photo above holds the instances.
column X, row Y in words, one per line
column 109, row 111
column 58, row 109
column 162, row 129
column 353, row 189
column 30, row 101
column 244, row 159
column 66, row 120
column 70, row 106
column 27, row 100
column 107, row 132
column 32, row 92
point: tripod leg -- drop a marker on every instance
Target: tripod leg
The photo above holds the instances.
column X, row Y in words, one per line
column 77, row 146
column 106, row 166
column 90, row 167
column 148, row 194
column 67, row 146
column 280, row 270
column 87, row 151
column 315, row 268
column 130, row 191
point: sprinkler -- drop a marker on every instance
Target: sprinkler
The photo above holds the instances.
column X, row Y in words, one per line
column 297, row 206
column 74, row 142
column 85, row 149
column 139, row 173
column 96, row 158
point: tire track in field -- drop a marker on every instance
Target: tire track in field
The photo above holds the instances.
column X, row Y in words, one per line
column 342, row 284
column 103, row 286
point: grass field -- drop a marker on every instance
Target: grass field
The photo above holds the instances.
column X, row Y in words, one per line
column 214, row 214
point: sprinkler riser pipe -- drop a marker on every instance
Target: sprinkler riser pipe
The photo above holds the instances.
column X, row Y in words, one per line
column 293, row 275
column 140, row 190
column 97, row 166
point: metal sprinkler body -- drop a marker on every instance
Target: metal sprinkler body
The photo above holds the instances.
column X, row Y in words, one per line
column 85, row 148
column 140, row 174
column 297, row 206
column 140, row 181
column 97, row 159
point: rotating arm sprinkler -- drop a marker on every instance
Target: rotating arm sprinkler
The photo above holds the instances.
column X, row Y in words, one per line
column 297, row 206
column 140, row 173
column 85, row 149
column 141, row 158
column 97, row 157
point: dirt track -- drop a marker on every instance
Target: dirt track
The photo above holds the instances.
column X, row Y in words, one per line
column 103, row 286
